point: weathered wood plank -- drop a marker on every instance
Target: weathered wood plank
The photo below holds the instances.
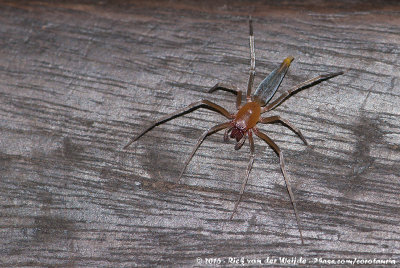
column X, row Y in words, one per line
column 78, row 80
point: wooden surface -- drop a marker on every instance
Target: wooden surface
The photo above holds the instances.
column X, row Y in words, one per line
column 77, row 80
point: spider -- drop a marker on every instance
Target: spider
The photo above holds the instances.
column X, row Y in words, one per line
column 243, row 123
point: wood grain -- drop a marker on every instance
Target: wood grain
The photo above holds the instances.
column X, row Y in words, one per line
column 79, row 79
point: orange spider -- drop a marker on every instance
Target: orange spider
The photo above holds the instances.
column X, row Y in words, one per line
column 244, row 122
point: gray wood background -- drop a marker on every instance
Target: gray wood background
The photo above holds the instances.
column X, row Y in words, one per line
column 78, row 79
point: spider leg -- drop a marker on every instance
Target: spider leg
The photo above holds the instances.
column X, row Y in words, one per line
column 200, row 141
column 251, row 160
column 227, row 131
column 309, row 83
column 229, row 88
column 274, row 119
column 252, row 72
column 190, row 108
column 285, row 176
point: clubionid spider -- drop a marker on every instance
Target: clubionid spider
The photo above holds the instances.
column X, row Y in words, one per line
column 243, row 124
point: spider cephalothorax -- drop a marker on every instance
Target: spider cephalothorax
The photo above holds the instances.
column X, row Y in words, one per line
column 242, row 125
column 245, row 119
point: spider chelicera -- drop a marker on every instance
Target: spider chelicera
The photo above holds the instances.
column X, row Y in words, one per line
column 243, row 123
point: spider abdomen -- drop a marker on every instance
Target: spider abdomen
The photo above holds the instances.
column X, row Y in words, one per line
column 245, row 119
column 248, row 116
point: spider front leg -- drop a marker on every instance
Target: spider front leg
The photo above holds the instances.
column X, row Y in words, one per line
column 251, row 160
column 286, row 123
column 206, row 133
column 285, row 176
column 303, row 85
column 252, row 72
column 229, row 88
column 190, row 108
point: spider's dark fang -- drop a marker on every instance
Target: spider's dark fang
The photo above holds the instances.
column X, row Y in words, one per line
column 237, row 134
